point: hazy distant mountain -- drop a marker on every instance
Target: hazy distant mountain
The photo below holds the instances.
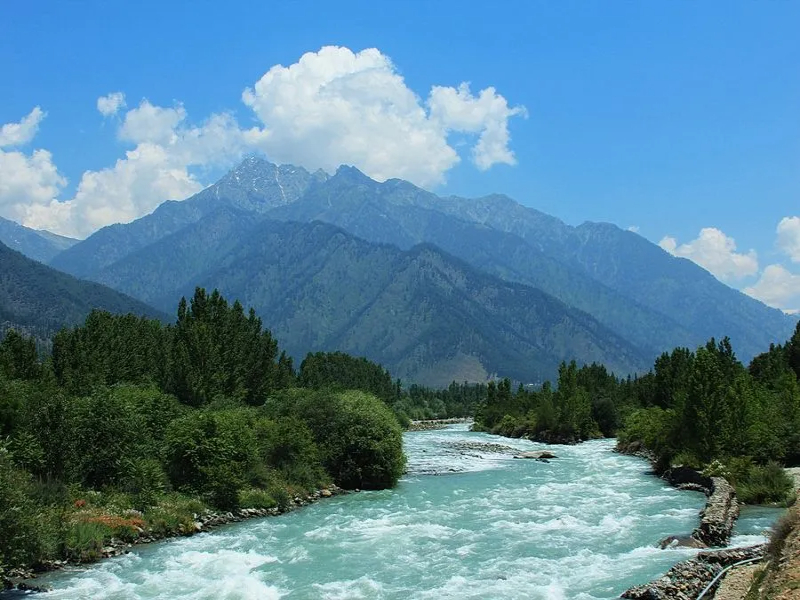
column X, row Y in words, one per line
column 176, row 261
column 33, row 243
column 425, row 315
column 40, row 300
column 628, row 285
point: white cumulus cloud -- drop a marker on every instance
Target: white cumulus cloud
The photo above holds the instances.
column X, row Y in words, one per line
column 715, row 252
column 111, row 104
column 789, row 237
column 27, row 180
column 155, row 170
column 777, row 287
column 17, row 134
column 331, row 107
column 337, row 106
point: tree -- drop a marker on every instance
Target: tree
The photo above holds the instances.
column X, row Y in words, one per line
column 18, row 357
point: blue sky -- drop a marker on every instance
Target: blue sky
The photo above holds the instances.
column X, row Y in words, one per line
column 667, row 116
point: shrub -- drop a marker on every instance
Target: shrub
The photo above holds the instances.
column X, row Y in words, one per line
column 83, row 540
column 173, row 514
column 288, row 446
column 22, row 526
column 765, row 484
column 256, row 498
column 210, row 452
column 360, row 441
column 780, row 531
column 145, row 479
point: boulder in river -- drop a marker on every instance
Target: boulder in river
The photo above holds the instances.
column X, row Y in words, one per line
column 681, row 541
column 537, row 454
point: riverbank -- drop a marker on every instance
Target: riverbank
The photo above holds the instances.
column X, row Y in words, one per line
column 25, row 579
column 434, row 424
column 778, row 576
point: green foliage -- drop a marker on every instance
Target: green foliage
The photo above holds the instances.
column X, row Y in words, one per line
column 83, row 540
column 256, row 498
column 759, row 484
column 132, row 426
column 218, row 351
column 209, row 453
column 18, row 357
column 339, row 371
column 650, row 426
column 146, row 480
column 22, row 534
column 359, row 438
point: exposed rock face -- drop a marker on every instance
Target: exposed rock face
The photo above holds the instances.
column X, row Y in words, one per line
column 687, row 579
column 719, row 515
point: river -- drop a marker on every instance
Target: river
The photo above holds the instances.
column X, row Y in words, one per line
column 462, row 524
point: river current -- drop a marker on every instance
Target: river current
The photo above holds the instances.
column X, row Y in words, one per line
column 463, row 523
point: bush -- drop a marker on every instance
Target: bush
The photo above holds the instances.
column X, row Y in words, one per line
column 256, row 498
column 764, row 484
column 288, row 446
column 83, row 540
column 145, row 480
column 780, row 531
column 360, row 441
column 650, row 426
column 506, row 426
column 210, row 452
column 22, row 526
column 174, row 513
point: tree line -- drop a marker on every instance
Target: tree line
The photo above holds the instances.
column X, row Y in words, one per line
column 132, row 427
column 701, row 408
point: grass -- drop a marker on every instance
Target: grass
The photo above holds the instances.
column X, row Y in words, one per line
column 783, row 527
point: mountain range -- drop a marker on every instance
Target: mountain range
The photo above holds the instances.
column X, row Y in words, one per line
column 38, row 300
column 435, row 288
column 35, row 243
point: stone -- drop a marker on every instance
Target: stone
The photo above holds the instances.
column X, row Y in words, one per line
column 686, row 541
column 537, row 454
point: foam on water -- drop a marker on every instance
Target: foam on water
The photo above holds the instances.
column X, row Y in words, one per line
column 584, row 526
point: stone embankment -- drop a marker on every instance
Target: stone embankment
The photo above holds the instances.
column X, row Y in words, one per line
column 687, row 579
column 717, row 519
column 719, row 516
column 19, row 579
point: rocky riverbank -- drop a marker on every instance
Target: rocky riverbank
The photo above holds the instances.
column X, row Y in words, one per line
column 687, row 579
column 25, row 579
column 719, row 515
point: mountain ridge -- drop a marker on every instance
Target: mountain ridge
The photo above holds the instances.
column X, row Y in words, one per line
column 629, row 285
column 40, row 245
column 39, row 300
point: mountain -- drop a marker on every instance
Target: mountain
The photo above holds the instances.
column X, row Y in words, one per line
column 655, row 300
column 254, row 186
column 630, row 286
column 40, row 300
column 176, row 262
column 422, row 313
column 33, row 243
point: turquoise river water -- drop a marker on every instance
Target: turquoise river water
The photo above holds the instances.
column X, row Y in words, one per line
column 462, row 524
